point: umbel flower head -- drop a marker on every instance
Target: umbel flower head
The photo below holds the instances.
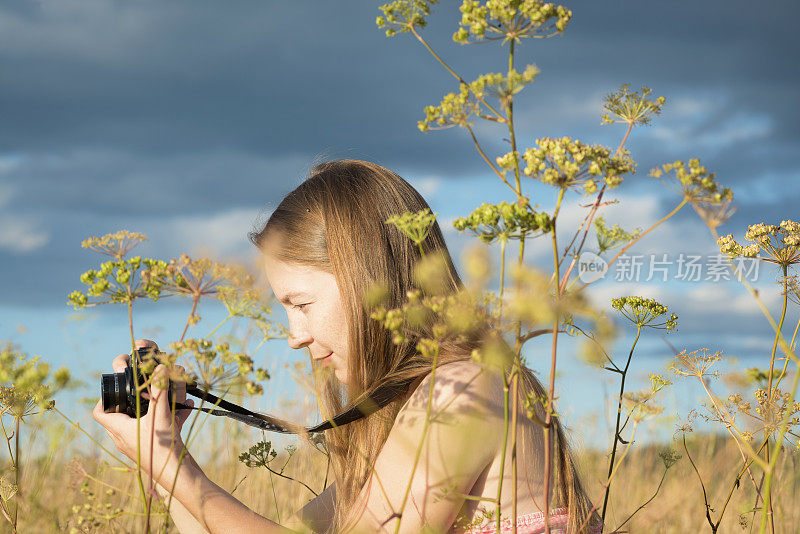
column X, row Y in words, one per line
column 24, row 385
column 694, row 182
column 509, row 20
column 458, row 109
column 401, row 16
column 115, row 245
column 609, row 238
column 567, row 163
column 644, row 312
column 415, row 226
column 117, row 280
column 504, row 221
column 216, row 365
column 781, row 243
column 631, row 108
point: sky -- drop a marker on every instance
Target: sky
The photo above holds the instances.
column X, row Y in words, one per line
column 189, row 121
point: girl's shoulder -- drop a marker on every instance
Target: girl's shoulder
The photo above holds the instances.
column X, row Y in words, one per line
column 458, row 389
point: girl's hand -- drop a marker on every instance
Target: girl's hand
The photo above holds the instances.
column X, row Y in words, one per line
column 160, row 442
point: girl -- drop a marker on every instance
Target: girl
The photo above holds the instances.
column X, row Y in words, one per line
column 430, row 459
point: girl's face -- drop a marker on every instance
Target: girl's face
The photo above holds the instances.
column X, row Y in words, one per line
column 314, row 307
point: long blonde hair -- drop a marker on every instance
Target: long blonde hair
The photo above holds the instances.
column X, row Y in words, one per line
column 335, row 221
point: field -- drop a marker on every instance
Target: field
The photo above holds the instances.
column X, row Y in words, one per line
column 64, row 492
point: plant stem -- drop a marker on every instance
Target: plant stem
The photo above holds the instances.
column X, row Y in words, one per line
column 195, row 300
column 502, row 451
column 552, row 384
column 629, row 245
column 617, row 437
column 135, row 364
column 421, row 441
column 18, row 468
column 451, row 71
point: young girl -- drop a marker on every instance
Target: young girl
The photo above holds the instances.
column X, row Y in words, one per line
column 323, row 248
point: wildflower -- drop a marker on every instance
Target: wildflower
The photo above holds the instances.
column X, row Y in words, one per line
column 669, row 457
column 503, row 222
column 415, row 226
column 510, row 20
column 117, row 281
column 781, row 243
column 695, row 183
column 567, row 163
column 631, row 108
column 639, row 407
column 401, row 16
column 644, row 312
column 243, row 303
column 694, row 364
column 610, row 238
column 115, row 245
column 215, row 366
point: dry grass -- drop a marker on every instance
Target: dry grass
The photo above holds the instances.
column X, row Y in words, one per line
column 62, row 491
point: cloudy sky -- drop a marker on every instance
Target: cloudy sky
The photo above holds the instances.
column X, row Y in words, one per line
column 189, row 120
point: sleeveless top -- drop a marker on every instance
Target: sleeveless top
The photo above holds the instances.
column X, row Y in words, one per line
column 532, row 523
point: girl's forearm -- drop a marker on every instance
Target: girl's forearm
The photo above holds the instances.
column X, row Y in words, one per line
column 213, row 508
column 183, row 519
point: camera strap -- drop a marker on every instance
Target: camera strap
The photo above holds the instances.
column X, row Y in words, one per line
column 372, row 403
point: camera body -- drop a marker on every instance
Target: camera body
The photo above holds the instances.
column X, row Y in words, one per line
column 118, row 390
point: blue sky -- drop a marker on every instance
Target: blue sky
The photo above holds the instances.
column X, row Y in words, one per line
column 188, row 121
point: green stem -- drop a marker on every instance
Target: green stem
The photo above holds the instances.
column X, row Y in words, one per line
column 502, row 450
column 451, row 71
column 135, row 364
column 617, row 437
column 421, row 441
column 18, row 468
column 629, row 245
column 225, row 320
column 770, row 471
column 552, row 384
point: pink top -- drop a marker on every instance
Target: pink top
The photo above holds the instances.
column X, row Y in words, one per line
column 532, row 523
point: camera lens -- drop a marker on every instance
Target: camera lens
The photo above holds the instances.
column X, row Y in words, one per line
column 113, row 392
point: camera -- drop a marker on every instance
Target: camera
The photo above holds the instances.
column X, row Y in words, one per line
column 118, row 390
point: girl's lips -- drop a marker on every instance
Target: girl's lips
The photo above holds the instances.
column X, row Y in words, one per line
column 324, row 357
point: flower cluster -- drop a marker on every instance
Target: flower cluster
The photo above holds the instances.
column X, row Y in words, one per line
column 24, row 386
column 639, row 405
column 769, row 413
column 194, row 277
column 694, row 182
column 259, row 455
column 94, row 515
column 567, row 163
column 510, row 19
column 644, row 312
column 116, row 245
column 402, row 15
column 415, row 226
column 454, row 110
column 609, row 238
column 504, row 221
column 696, row 363
column 631, row 108
column 217, row 366
column 457, row 109
column 117, row 280
column 426, row 319
column 780, row 242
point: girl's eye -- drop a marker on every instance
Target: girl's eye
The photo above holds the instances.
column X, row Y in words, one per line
column 300, row 306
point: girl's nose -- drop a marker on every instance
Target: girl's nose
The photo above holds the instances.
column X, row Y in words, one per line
column 298, row 339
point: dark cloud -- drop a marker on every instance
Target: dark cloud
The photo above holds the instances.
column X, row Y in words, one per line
column 113, row 111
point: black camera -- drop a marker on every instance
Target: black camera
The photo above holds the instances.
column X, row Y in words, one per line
column 118, row 390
